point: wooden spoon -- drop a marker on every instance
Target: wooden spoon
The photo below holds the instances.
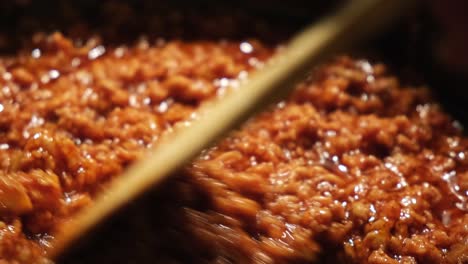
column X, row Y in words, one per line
column 353, row 23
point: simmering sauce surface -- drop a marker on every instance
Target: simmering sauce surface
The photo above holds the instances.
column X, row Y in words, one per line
column 352, row 165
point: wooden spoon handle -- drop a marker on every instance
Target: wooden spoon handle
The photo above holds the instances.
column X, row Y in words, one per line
column 345, row 28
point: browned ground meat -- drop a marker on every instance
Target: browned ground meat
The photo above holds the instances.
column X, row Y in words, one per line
column 352, row 164
column 72, row 118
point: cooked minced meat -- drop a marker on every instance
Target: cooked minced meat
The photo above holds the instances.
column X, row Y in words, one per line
column 351, row 165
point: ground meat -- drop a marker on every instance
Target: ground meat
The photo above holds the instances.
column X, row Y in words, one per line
column 74, row 117
column 351, row 162
column 351, row 165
